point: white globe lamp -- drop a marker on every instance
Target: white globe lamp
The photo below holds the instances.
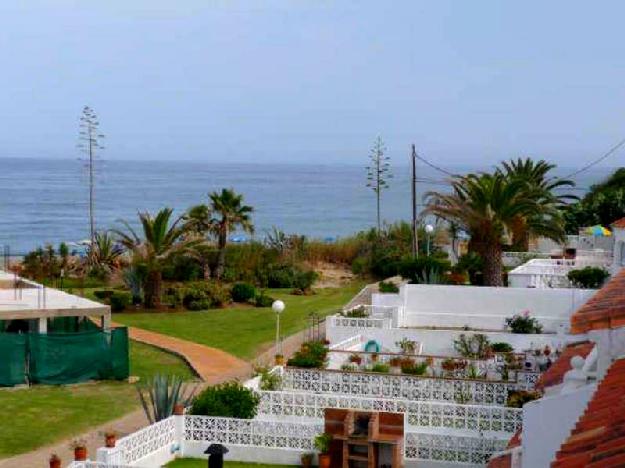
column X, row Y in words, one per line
column 429, row 229
column 278, row 307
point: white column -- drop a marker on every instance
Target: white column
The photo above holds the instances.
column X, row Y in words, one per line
column 179, row 424
column 42, row 325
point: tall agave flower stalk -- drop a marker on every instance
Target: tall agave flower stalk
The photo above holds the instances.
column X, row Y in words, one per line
column 161, row 393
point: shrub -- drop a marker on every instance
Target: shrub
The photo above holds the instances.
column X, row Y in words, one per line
column 473, row 346
column 312, row 354
column 263, row 300
column 417, row 269
column 588, row 277
column 304, row 280
column 229, row 400
column 471, row 263
column 103, row 294
column 388, row 287
column 120, row 300
column 243, row 292
column 523, row 323
column 204, row 295
column 518, row 398
column 322, row 442
column 407, row 346
column 281, row 276
column 408, row 366
column 501, row 347
column 270, row 381
column 380, row 368
column 357, row 312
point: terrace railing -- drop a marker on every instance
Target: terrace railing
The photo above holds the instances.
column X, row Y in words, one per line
column 358, row 322
column 389, row 386
column 451, row 449
column 478, row 418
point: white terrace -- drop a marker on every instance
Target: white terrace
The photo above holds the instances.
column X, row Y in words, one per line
column 435, row 315
column 552, row 273
column 22, row 299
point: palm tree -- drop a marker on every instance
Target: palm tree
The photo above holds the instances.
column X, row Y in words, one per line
column 544, row 188
column 104, row 252
column 161, row 238
column 486, row 206
column 233, row 214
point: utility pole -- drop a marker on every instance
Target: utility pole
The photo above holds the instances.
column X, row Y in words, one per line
column 89, row 143
column 415, row 237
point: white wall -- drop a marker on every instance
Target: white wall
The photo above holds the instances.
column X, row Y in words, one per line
column 548, row 422
column 440, row 342
column 487, row 307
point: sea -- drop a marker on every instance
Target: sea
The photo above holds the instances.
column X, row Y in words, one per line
column 46, row 201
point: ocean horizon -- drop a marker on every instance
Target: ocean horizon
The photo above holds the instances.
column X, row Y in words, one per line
column 46, row 200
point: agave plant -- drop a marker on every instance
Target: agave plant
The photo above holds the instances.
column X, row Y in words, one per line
column 161, row 393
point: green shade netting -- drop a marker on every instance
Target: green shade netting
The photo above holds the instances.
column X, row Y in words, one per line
column 13, row 348
column 63, row 358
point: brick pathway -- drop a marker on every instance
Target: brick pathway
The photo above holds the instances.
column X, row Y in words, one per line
column 211, row 364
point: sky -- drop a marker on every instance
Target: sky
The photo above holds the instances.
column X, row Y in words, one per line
column 315, row 81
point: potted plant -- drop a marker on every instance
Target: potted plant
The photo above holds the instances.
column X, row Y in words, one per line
column 79, row 446
column 307, row 459
column 374, row 357
column 110, row 437
column 322, row 444
column 396, row 364
column 55, row 461
column 279, row 359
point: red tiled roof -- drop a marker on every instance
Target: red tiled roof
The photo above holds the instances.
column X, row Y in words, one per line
column 598, row 439
column 606, row 309
column 505, row 461
column 555, row 374
column 619, row 223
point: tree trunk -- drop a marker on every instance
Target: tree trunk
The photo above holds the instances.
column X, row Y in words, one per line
column 493, row 265
column 153, row 290
column 221, row 256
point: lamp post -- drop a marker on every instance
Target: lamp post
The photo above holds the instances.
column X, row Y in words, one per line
column 278, row 308
column 429, row 229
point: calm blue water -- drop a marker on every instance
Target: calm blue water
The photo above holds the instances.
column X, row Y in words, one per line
column 46, row 200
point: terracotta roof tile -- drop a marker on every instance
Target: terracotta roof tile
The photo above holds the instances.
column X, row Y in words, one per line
column 606, row 309
column 555, row 374
column 619, row 223
column 598, row 438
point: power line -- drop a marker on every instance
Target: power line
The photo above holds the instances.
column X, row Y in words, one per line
column 433, row 166
column 609, row 153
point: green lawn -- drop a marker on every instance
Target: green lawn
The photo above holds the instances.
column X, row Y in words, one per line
column 199, row 463
column 242, row 330
column 45, row 414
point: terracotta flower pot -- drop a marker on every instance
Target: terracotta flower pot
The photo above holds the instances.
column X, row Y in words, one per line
column 109, row 440
column 324, row 460
column 55, row 462
column 279, row 360
column 80, row 453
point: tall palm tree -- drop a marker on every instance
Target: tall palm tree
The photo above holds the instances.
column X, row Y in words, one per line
column 486, row 206
column 233, row 214
column 544, row 187
column 160, row 238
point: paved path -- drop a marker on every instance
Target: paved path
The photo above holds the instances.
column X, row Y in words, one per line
column 211, row 364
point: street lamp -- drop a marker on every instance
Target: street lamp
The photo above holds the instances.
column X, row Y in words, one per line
column 429, row 229
column 278, row 308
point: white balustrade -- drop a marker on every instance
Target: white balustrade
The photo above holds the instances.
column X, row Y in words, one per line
column 145, row 442
column 360, row 322
column 454, row 449
column 396, row 386
column 418, row 413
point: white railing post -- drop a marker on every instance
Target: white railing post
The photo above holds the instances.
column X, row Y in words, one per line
column 179, row 432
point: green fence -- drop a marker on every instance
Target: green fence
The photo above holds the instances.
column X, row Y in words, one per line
column 63, row 358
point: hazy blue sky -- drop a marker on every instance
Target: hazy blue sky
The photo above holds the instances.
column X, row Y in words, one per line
column 314, row 80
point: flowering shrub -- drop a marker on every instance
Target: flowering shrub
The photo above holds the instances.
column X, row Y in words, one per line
column 523, row 323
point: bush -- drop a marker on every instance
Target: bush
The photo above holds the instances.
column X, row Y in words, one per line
column 290, row 276
column 269, row 381
column 518, row 398
column 523, row 323
column 243, row 292
column 311, row 355
column 501, row 347
column 204, row 295
column 229, row 400
column 409, row 367
column 416, row 270
column 388, row 287
column 588, row 277
column 120, row 300
column 473, row 346
column 103, row 294
column 304, row 280
column 380, row 368
column 263, row 300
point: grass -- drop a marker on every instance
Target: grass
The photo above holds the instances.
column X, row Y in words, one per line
column 201, row 463
column 46, row 414
column 242, row 330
